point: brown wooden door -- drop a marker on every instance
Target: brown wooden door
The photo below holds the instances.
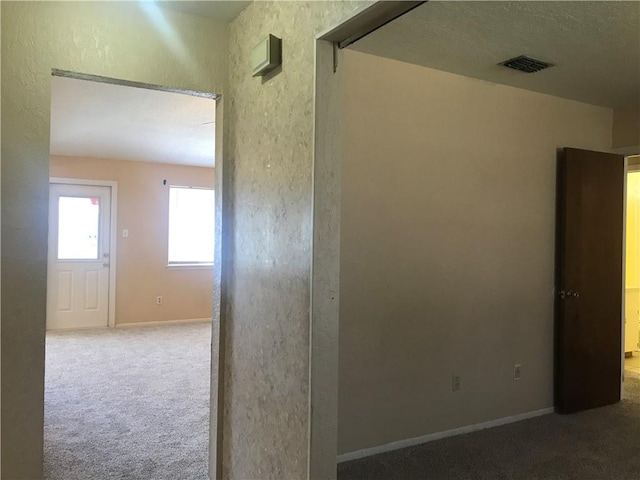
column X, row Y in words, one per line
column 589, row 279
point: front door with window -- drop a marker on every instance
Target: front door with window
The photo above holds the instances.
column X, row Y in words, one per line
column 79, row 262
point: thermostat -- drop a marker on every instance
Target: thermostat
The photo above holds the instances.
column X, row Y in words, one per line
column 266, row 56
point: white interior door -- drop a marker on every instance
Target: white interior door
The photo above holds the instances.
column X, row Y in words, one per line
column 79, row 262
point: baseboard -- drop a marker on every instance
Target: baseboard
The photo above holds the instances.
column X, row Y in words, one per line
column 410, row 442
column 163, row 322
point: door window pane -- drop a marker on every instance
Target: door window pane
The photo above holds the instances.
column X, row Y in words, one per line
column 78, row 228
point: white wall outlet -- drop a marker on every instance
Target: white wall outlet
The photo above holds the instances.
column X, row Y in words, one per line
column 159, row 300
column 125, row 233
column 517, row 371
column 456, row 383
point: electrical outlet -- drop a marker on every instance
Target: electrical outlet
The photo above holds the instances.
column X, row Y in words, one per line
column 125, row 233
column 159, row 300
column 517, row 371
column 456, row 383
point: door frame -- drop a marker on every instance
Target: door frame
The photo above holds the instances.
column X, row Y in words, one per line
column 326, row 178
column 221, row 264
column 113, row 235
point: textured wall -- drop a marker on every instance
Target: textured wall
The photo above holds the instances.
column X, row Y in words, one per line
column 114, row 39
column 143, row 209
column 270, row 148
column 447, row 247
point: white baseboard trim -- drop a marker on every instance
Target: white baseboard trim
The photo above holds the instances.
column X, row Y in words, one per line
column 410, row 442
column 162, row 322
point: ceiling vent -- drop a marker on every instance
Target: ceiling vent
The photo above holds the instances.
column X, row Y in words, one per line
column 526, row 64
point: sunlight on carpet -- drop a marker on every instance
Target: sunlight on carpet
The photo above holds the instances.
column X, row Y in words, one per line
column 127, row 403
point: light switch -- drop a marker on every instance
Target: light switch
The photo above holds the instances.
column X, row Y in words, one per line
column 125, row 233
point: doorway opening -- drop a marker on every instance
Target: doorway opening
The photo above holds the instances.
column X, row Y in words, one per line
column 631, row 347
column 527, row 332
column 130, row 286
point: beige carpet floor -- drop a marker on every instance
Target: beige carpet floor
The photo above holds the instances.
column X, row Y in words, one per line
column 133, row 404
column 127, row 403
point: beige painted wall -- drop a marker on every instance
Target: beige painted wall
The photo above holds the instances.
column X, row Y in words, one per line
column 447, row 247
column 143, row 209
column 115, row 39
column 626, row 127
column 270, row 150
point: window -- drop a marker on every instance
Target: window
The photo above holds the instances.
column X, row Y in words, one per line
column 191, row 226
column 78, row 228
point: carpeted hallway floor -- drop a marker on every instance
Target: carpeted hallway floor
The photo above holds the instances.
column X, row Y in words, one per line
column 599, row 444
column 127, row 403
column 133, row 404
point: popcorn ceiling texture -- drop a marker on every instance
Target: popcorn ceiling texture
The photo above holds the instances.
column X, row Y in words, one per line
column 115, row 39
column 270, row 152
column 469, row 38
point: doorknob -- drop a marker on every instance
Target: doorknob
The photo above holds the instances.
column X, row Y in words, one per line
column 568, row 293
column 105, row 264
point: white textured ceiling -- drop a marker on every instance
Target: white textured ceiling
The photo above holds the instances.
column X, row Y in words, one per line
column 91, row 119
column 220, row 10
column 595, row 46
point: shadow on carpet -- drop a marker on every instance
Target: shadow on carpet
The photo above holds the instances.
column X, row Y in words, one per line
column 130, row 403
column 598, row 444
